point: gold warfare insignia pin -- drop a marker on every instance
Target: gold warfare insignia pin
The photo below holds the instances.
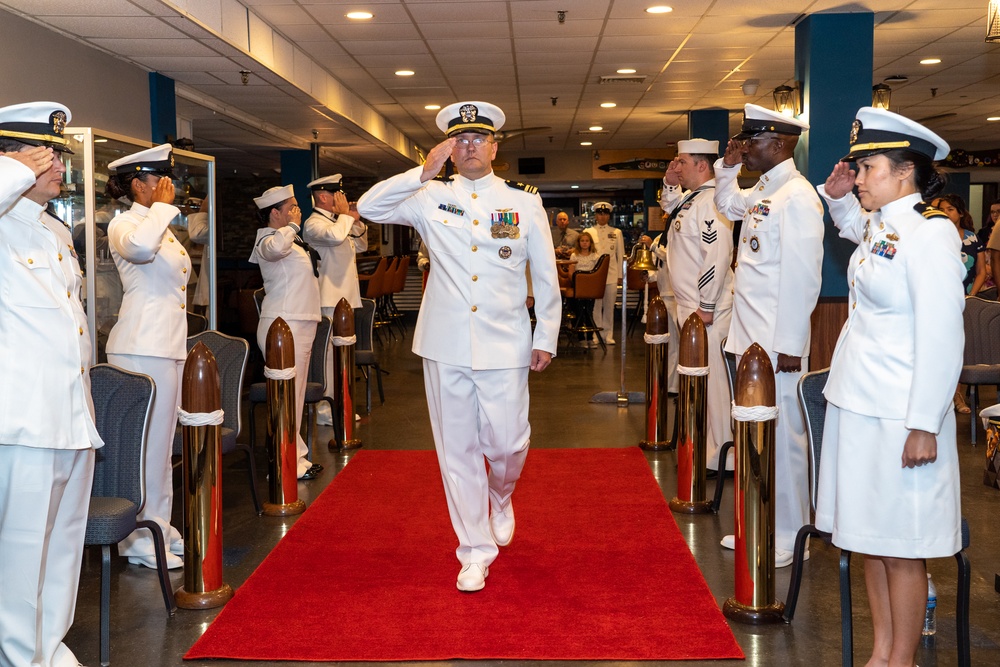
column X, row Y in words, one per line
column 754, row 244
column 892, row 237
column 855, row 129
column 505, row 252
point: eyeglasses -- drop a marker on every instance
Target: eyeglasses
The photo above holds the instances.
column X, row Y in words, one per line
column 478, row 142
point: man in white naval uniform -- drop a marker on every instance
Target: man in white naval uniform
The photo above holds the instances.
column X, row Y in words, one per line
column 336, row 232
column 473, row 330
column 47, row 429
column 777, row 282
column 695, row 253
column 609, row 242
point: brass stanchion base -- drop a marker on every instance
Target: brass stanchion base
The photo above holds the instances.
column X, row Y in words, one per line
column 653, row 446
column 736, row 611
column 691, row 506
column 354, row 443
column 206, row 600
column 288, row 509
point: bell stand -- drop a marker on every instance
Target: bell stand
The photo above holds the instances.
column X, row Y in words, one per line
column 623, row 398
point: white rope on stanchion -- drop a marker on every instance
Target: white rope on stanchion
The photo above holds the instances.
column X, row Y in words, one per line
column 656, row 339
column 279, row 373
column 754, row 413
column 200, row 418
column 696, row 371
column 343, row 341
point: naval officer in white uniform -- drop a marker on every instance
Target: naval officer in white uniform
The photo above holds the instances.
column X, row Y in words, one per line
column 889, row 477
column 473, row 330
column 290, row 271
column 150, row 335
column 695, row 253
column 336, row 232
column 777, row 282
column 47, row 429
column 611, row 243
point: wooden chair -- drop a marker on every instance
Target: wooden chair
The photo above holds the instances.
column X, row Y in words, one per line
column 587, row 287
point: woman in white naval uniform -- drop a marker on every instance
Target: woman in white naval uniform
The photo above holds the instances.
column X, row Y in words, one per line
column 150, row 335
column 336, row 232
column 47, row 430
column 889, row 476
column 609, row 242
column 291, row 292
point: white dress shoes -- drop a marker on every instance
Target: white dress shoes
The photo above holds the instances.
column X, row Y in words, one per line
column 502, row 525
column 728, row 542
column 472, row 578
column 177, row 548
column 782, row 558
column 149, row 560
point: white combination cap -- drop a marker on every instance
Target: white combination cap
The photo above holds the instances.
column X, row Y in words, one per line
column 757, row 119
column 876, row 131
column 481, row 117
column 330, row 183
column 36, row 124
column 159, row 160
column 602, row 207
column 274, row 196
column 698, row 147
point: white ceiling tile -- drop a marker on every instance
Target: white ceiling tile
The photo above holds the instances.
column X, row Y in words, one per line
column 180, row 64
column 415, row 62
column 576, row 28
column 302, row 34
column 374, row 31
column 645, row 28
column 472, row 12
column 388, row 47
column 544, row 11
column 125, row 27
column 82, row 7
column 537, row 44
column 284, row 14
column 154, row 47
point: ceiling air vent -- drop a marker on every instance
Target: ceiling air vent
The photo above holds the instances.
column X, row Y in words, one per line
column 623, row 78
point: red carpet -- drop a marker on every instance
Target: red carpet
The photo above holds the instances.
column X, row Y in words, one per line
column 597, row 571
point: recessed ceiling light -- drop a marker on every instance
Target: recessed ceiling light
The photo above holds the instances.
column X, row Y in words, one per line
column 432, row 107
column 626, row 70
column 659, row 9
column 404, row 72
column 586, row 143
column 930, row 61
column 574, row 187
column 993, row 118
column 608, row 105
column 595, row 128
column 359, row 16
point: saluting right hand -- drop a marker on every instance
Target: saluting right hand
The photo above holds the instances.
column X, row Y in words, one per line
column 840, row 181
column 672, row 177
column 38, row 159
column 340, row 205
column 164, row 191
column 436, row 159
column 734, row 153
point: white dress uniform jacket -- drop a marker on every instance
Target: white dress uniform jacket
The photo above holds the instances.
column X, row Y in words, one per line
column 779, row 261
column 291, row 289
column 44, row 337
column 198, row 233
column 480, row 323
column 887, row 271
column 155, row 269
column 611, row 243
column 337, row 240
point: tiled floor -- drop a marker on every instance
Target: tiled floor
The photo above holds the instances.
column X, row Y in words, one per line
column 561, row 416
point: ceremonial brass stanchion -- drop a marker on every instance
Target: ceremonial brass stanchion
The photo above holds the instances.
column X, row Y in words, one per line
column 343, row 378
column 282, row 422
column 201, row 427
column 692, row 431
column 657, row 339
column 755, row 415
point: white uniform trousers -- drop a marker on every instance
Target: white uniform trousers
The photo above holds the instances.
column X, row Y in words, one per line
column 673, row 346
column 44, row 499
column 604, row 311
column 303, row 333
column 720, row 422
column 324, row 414
column 158, row 473
column 791, row 460
column 476, row 415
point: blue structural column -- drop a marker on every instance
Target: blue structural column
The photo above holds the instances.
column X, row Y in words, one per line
column 162, row 109
column 297, row 170
column 711, row 124
column 833, row 63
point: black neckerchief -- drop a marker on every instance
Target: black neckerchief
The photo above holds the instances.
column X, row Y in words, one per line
column 677, row 210
column 313, row 254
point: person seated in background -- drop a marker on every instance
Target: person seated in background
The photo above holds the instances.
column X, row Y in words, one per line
column 563, row 238
column 584, row 258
